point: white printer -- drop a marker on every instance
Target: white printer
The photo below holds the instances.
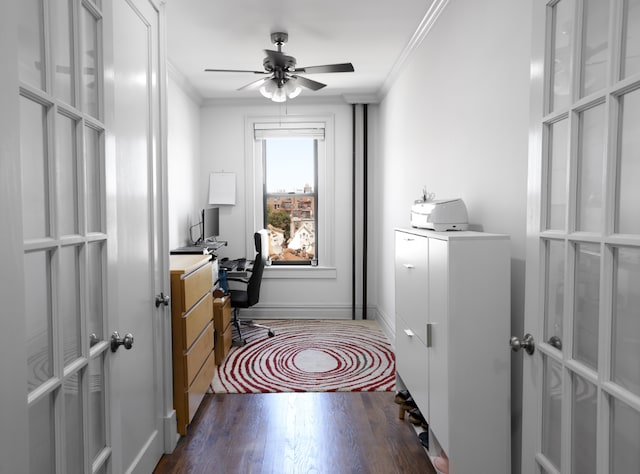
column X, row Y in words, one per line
column 440, row 214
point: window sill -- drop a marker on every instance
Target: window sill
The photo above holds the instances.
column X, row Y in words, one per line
column 281, row 271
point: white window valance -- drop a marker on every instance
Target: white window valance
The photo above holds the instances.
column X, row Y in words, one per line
column 263, row 131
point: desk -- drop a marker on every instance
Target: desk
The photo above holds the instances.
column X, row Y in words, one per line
column 205, row 249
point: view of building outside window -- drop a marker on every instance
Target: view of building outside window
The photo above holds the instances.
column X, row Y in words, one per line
column 290, row 199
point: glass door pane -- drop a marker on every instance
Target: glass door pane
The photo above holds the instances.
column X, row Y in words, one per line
column 557, row 175
column 95, row 285
column 67, row 174
column 554, row 305
column 626, row 323
column 42, row 447
column 69, row 297
column 629, row 191
column 93, row 173
column 35, row 170
column 595, row 46
column 89, row 64
column 37, row 266
column 583, row 426
column 590, row 169
column 73, row 424
column 552, row 410
column 31, row 43
column 631, row 38
column 625, row 433
column 562, row 38
column 97, row 430
column 586, row 304
column 63, row 52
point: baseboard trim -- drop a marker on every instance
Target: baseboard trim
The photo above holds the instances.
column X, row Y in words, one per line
column 266, row 311
column 171, row 436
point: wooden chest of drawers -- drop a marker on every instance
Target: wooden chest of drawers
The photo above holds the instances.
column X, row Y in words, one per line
column 223, row 328
column 192, row 334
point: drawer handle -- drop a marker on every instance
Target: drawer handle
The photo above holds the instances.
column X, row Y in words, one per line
column 409, row 332
column 429, row 334
column 408, row 265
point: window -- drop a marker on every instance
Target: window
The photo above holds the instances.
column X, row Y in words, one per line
column 290, row 183
column 290, row 199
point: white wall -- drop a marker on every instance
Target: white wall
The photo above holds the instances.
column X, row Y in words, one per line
column 223, row 149
column 456, row 120
column 183, row 143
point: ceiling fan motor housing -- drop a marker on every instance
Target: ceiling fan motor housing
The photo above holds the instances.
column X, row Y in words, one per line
column 279, row 38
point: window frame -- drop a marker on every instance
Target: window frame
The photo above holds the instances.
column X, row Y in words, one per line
column 254, row 182
column 314, row 194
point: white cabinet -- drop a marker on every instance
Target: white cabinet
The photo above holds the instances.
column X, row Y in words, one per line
column 452, row 333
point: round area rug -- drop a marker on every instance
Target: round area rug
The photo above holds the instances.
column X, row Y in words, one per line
column 309, row 356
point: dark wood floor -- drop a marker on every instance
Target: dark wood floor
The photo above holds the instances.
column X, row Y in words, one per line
column 343, row 432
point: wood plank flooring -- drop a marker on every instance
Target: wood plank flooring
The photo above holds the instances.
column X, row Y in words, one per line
column 320, row 433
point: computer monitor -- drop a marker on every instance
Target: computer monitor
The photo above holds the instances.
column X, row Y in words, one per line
column 210, row 223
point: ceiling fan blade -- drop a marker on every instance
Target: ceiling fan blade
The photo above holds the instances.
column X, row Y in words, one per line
column 342, row 67
column 235, row 70
column 308, row 83
column 255, row 84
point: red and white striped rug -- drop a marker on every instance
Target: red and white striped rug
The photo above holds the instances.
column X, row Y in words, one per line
column 309, row 356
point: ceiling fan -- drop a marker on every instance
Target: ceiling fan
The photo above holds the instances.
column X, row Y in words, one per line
column 283, row 77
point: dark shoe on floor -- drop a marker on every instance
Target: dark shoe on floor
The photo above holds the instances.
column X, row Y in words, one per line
column 401, row 396
column 415, row 417
column 424, row 439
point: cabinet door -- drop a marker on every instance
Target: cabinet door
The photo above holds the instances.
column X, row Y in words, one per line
column 412, row 364
column 439, row 340
column 412, row 281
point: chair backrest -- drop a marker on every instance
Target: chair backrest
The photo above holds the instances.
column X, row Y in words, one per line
column 253, row 287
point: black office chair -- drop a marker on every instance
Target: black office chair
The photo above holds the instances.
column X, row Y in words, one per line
column 250, row 293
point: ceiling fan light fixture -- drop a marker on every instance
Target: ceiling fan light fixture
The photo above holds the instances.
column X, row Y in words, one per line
column 279, row 95
column 292, row 88
column 268, row 89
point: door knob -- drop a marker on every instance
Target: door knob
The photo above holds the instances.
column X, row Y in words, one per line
column 162, row 299
column 117, row 341
column 556, row 342
column 93, row 339
column 527, row 343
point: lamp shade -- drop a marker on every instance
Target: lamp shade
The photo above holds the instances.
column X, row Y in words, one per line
column 269, row 88
column 291, row 88
column 279, row 95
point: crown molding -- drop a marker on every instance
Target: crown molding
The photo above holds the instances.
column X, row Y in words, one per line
column 416, row 40
column 182, row 81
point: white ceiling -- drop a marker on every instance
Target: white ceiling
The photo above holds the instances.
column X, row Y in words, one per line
column 232, row 34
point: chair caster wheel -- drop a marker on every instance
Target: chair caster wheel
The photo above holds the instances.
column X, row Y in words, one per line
column 271, row 333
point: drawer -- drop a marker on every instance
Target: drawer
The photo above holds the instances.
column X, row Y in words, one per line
column 200, row 385
column 224, row 339
column 198, row 353
column 221, row 313
column 196, row 320
column 196, row 284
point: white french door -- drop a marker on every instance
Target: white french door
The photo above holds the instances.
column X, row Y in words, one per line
column 581, row 388
column 84, row 253
column 63, row 201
